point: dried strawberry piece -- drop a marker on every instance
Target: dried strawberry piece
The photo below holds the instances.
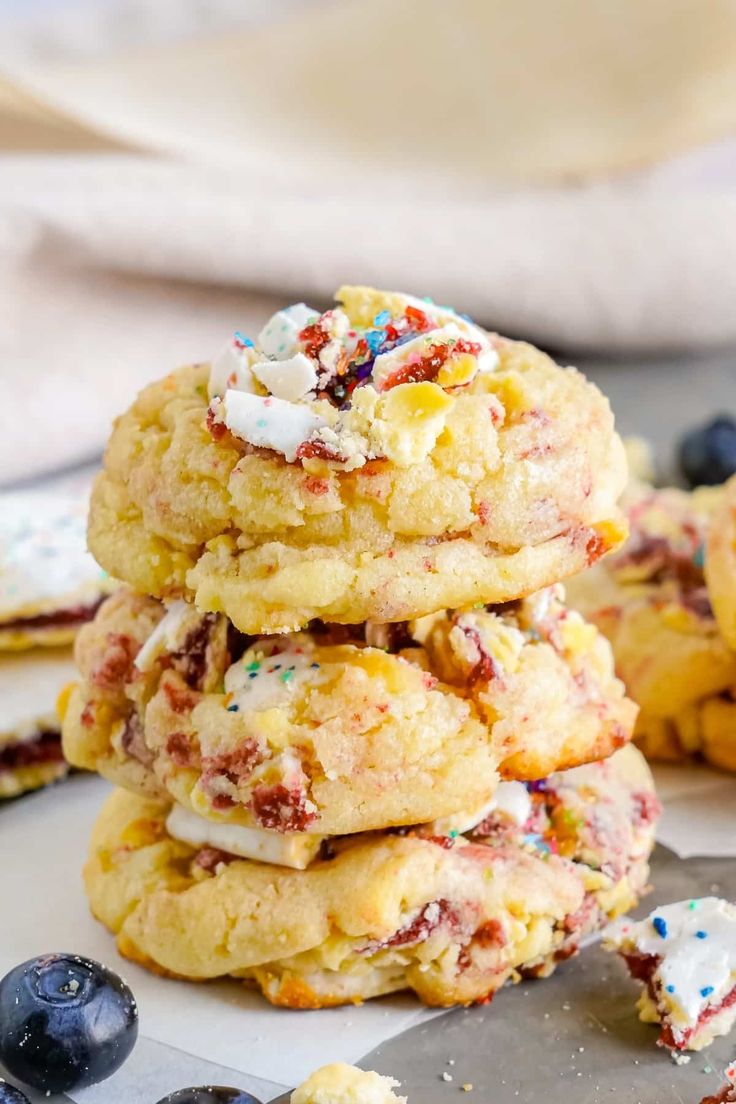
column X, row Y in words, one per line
column 209, row 858
column 116, row 665
column 281, row 808
column 427, row 367
column 236, row 766
column 215, row 425
column 178, row 749
column 320, row 450
column 485, row 669
column 428, row 920
column 180, row 698
column 647, row 808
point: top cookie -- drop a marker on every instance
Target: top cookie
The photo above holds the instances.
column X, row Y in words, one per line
column 380, row 461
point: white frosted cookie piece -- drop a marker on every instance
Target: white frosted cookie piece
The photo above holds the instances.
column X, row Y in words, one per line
column 44, row 562
column 296, row 850
column 686, row 954
column 167, row 636
column 268, row 422
column 279, row 338
column 340, row 1083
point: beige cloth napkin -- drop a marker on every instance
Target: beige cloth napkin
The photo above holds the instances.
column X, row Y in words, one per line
column 482, row 152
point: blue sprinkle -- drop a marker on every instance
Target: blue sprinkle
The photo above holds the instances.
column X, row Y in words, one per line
column 382, row 318
column 253, row 674
column 670, row 988
column 233, row 708
column 314, row 665
column 706, row 990
column 701, row 935
column 699, row 556
column 660, row 926
column 261, row 423
column 374, row 339
column 244, row 340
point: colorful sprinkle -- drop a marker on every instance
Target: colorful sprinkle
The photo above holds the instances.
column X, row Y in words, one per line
column 670, row 988
column 660, row 926
column 701, row 935
column 706, row 990
column 699, row 556
column 243, row 341
column 233, row 708
column 693, row 905
column 382, row 318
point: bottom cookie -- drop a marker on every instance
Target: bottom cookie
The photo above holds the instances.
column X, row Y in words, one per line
column 450, row 916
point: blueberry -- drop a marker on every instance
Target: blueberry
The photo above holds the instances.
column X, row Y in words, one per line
column 10, row 1095
column 210, row 1094
column 65, row 1022
column 708, row 454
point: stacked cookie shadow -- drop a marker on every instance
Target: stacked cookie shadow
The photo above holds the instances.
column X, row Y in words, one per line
column 361, row 743
column 49, row 587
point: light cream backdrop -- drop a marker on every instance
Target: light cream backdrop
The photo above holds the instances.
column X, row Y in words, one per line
column 561, row 170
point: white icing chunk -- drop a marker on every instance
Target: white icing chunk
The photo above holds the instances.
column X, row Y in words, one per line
column 443, row 315
column 288, row 379
column 696, row 942
column 296, row 850
column 164, row 636
column 511, row 798
column 279, row 338
column 232, row 369
column 43, row 552
column 269, row 422
column 268, row 680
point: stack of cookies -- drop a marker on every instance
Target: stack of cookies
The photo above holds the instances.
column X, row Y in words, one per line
column 360, row 742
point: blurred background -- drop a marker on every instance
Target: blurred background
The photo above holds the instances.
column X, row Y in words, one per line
column 172, row 171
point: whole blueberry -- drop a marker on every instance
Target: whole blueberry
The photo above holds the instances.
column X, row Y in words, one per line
column 10, row 1095
column 65, row 1022
column 708, row 454
column 210, row 1094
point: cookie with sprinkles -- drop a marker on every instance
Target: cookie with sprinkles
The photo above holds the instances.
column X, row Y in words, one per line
column 339, row 729
column 378, row 461
column 451, row 913
column 685, row 955
column 49, row 583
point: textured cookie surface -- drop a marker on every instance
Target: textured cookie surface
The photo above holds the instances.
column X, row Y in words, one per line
column 651, row 601
column 342, row 1084
column 451, row 917
column 430, row 465
column 337, row 730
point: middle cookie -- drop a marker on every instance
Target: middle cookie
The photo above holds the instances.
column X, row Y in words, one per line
column 340, row 729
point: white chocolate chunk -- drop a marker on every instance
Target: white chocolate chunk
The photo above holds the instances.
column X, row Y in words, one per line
column 164, row 636
column 296, row 850
column 288, row 379
column 340, row 1083
column 279, row 338
column 511, row 798
column 269, row 422
column 232, row 369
